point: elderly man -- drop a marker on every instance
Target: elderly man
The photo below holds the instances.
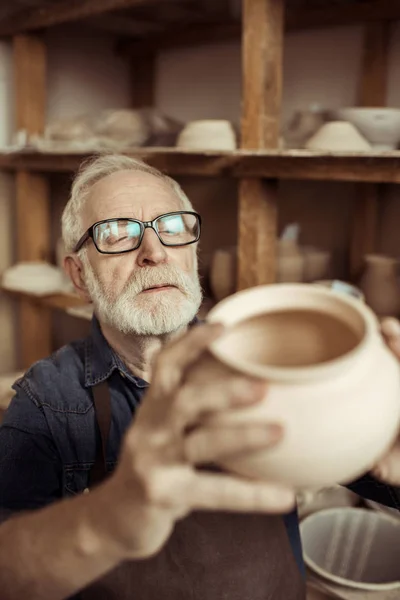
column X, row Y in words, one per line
column 162, row 525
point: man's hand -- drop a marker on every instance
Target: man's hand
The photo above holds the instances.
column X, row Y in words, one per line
column 156, row 482
column 388, row 469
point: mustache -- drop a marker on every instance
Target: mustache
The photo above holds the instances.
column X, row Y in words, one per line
column 148, row 277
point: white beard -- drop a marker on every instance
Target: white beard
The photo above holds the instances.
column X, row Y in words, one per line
column 153, row 313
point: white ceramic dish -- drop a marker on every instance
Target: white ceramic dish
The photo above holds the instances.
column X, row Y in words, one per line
column 338, row 136
column 353, row 547
column 208, row 134
column 380, row 126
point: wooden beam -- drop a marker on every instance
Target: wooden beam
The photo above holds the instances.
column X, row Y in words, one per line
column 64, row 11
column 374, row 65
column 330, row 15
column 372, row 92
column 262, row 48
column 143, row 72
column 32, row 193
column 269, row 164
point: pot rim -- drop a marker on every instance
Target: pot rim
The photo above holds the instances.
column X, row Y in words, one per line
column 291, row 293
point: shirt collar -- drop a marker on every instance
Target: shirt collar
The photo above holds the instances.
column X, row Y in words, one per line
column 101, row 360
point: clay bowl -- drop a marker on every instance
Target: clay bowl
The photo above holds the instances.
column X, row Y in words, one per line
column 338, row 136
column 208, row 134
column 354, row 548
column 333, row 384
column 380, row 126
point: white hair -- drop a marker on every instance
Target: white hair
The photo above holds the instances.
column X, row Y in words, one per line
column 92, row 171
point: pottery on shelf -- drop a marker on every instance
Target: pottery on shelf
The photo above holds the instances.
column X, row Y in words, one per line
column 36, row 277
column 290, row 259
column 302, row 125
column 354, row 548
column 338, row 136
column 380, row 126
column 380, row 285
column 211, row 134
column 342, row 287
column 332, row 383
column 317, row 263
column 223, row 272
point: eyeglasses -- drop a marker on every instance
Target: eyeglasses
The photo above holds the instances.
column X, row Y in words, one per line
column 116, row 236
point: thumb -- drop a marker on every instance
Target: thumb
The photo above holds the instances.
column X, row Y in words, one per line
column 388, row 468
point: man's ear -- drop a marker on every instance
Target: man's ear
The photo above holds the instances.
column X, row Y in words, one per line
column 74, row 268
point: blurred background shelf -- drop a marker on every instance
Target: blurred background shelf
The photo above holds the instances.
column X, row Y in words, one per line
column 285, row 164
column 62, row 302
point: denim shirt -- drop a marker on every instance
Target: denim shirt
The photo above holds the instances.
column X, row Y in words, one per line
column 49, row 437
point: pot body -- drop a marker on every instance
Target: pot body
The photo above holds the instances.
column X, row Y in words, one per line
column 339, row 417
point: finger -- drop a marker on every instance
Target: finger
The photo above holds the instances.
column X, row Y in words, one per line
column 227, row 493
column 195, row 402
column 391, row 332
column 391, row 328
column 207, row 445
column 172, row 362
column 388, row 469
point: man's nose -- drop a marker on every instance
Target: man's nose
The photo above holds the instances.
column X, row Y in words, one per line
column 151, row 250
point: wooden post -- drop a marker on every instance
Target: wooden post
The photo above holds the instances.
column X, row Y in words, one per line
column 32, row 193
column 262, row 55
column 143, row 80
column 372, row 93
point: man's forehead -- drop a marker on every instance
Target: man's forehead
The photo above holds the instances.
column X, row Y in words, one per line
column 130, row 191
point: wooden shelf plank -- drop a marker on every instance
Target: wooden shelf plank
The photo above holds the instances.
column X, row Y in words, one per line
column 36, row 17
column 54, row 301
column 304, row 17
column 269, row 164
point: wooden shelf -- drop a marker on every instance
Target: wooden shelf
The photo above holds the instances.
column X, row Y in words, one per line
column 290, row 164
column 62, row 302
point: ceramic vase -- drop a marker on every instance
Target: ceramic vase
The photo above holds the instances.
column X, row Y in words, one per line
column 380, row 285
column 223, row 272
column 333, row 384
column 317, row 264
column 290, row 262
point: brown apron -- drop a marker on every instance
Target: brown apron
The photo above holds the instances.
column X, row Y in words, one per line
column 209, row 556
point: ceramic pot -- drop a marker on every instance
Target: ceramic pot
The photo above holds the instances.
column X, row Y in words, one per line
column 354, row 548
column 338, row 136
column 212, row 134
column 290, row 262
column 223, row 273
column 380, row 285
column 342, row 287
column 333, row 384
column 380, row 126
column 316, row 264
column 302, row 126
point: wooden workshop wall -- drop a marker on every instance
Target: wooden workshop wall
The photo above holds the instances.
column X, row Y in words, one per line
column 321, row 67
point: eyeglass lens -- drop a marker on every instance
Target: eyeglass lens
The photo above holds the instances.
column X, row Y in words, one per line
column 123, row 234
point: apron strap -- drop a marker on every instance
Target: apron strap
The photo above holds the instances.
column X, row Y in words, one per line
column 102, row 408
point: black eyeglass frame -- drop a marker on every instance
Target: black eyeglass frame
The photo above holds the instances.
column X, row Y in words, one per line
column 89, row 234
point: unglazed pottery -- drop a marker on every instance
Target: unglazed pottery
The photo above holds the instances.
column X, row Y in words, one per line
column 341, row 286
column 290, row 261
column 380, row 126
column 338, row 136
column 333, row 384
column 211, row 134
column 317, row 263
column 353, row 547
column 223, row 272
column 380, row 285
